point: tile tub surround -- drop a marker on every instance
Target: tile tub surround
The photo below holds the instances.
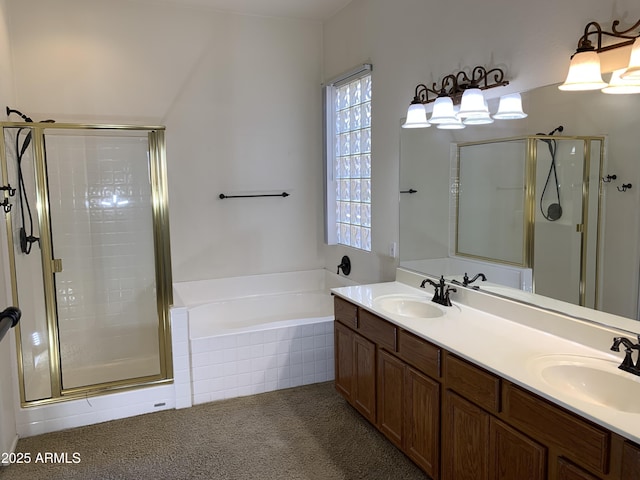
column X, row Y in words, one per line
column 503, row 337
column 227, row 362
column 246, row 363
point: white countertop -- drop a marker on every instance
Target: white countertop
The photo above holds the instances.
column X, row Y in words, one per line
column 502, row 346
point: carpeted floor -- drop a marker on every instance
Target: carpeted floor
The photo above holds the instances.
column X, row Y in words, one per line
column 307, row 432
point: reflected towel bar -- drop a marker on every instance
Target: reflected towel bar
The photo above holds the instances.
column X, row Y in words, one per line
column 222, row 196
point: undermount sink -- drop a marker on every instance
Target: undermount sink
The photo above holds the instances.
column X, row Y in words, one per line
column 412, row 306
column 594, row 380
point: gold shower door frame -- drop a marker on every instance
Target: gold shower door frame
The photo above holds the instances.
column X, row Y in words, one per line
column 162, row 256
column 531, row 155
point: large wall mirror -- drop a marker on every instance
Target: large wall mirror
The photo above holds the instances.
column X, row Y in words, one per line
column 485, row 167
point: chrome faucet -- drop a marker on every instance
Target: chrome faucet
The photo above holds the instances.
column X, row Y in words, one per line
column 627, row 364
column 441, row 291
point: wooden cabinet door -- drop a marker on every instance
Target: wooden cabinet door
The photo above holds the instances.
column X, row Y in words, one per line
column 465, row 440
column 422, row 421
column 569, row 471
column 390, row 396
column 513, row 455
column 344, row 356
column 364, row 387
column 630, row 461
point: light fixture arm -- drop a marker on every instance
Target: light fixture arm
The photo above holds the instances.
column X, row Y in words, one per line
column 594, row 28
column 454, row 85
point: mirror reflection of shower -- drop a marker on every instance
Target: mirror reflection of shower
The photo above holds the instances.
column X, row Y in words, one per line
column 511, row 210
column 554, row 210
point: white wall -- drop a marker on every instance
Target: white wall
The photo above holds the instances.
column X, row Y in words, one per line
column 240, row 97
column 7, row 383
column 412, row 41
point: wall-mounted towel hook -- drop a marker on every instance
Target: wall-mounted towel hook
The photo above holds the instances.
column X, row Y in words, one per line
column 608, row 178
column 7, row 187
column 625, row 187
column 6, row 205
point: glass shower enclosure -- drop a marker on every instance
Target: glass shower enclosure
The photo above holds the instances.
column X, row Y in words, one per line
column 89, row 254
column 534, row 202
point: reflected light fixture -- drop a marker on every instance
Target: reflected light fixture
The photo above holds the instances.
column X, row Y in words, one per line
column 457, row 89
column 633, row 70
column 454, row 123
column 584, row 69
column 510, row 107
column 619, row 85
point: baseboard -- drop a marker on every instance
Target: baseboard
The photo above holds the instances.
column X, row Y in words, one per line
column 12, row 449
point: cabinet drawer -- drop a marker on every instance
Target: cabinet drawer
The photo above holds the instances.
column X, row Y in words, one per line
column 578, row 440
column 377, row 330
column 419, row 353
column 473, row 383
column 345, row 312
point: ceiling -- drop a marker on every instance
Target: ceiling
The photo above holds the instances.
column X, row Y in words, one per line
column 307, row 9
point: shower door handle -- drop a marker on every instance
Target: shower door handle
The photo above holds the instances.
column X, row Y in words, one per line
column 56, row 265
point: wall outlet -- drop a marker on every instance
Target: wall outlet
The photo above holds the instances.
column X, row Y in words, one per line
column 393, row 249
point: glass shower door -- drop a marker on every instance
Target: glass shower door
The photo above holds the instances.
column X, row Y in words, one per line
column 566, row 221
column 100, row 207
column 491, row 203
column 89, row 255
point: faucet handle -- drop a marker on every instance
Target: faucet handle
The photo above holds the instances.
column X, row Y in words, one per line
column 627, row 364
column 446, row 296
column 345, row 265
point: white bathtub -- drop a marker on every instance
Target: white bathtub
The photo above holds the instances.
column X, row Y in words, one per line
column 259, row 313
column 258, row 333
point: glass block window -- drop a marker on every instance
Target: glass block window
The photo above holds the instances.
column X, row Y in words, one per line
column 349, row 181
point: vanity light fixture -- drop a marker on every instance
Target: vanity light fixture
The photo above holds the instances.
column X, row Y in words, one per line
column 416, row 116
column 633, row 70
column 510, row 107
column 619, row 85
column 457, row 89
column 584, row 69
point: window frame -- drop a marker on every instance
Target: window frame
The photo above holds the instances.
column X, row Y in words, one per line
column 330, row 90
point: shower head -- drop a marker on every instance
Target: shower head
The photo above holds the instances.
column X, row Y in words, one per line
column 558, row 129
column 19, row 113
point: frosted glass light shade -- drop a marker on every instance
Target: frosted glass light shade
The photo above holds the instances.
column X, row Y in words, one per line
column 481, row 119
column 453, row 124
column 622, row 85
column 584, row 73
column 472, row 104
column 416, row 117
column 443, row 111
column 510, row 107
column 633, row 70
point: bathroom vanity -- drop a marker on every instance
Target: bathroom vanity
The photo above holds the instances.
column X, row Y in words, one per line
column 468, row 394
